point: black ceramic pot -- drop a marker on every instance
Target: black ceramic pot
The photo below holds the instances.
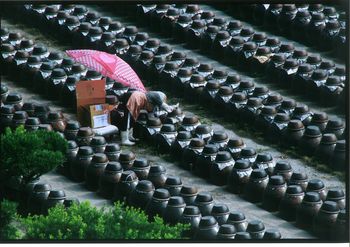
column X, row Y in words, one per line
column 112, row 151
column 141, row 195
column 125, row 186
column 235, row 146
column 299, row 178
column 94, row 170
column 208, row 228
column 54, row 198
column 310, row 140
column 84, row 136
column 274, row 193
column 290, row 202
column 173, row 184
column 192, row 152
column 204, row 201
column 308, row 209
column 272, row 234
column 239, row 176
column 127, row 159
column 284, row 169
column 337, row 195
column 238, row 220
column 205, row 160
column 221, row 168
column 317, row 185
column 293, row 133
column 256, row 229
column 109, row 179
column 82, row 161
column 189, row 194
column 158, row 203
column 71, row 130
column 266, row 162
column 141, row 167
column 221, row 213
column 337, row 160
column 157, row 175
column 326, row 148
column 339, row 231
column 254, row 189
column 182, row 140
column 226, row 231
column 325, row 220
column 174, row 210
column 38, row 197
column 191, row 215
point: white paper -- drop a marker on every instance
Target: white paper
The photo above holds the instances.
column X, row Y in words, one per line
column 100, row 120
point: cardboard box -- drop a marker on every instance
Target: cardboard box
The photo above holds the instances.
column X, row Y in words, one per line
column 89, row 94
column 98, row 115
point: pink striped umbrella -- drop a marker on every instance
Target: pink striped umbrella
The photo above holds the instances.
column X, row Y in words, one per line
column 108, row 65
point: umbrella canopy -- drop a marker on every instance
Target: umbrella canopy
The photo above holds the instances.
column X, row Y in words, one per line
column 108, row 65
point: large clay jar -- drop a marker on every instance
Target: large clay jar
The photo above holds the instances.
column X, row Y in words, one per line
column 84, row 136
column 317, row 185
column 221, row 169
column 126, row 159
column 226, row 231
column 205, row 160
column 41, row 112
column 239, row 176
column 182, row 140
column 38, row 197
column 32, row 124
column 337, row 160
column 320, row 119
column 326, row 148
column 56, row 119
column 256, row 229
column 141, row 168
column 165, row 138
column 272, row 234
column 98, row 144
column 242, row 236
column 254, row 190
column 71, row 155
column 220, row 139
column 173, row 184
column 274, row 193
column 191, row 215
column 310, row 140
column 337, row 195
column 293, row 133
column 284, row 169
column 238, row 220
column 141, row 195
column 112, row 151
column 221, row 213
column 126, row 185
column 204, row 201
column 325, row 220
column 55, row 197
column 299, row 178
column 208, row 228
column 341, row 229
column 277, row 127
column 174, row 210
column 308, row 209
column 191, row 153
column 158, row 203
column 204, row 132
column 157, row 175
column 335, row 126
column 109, row 179
column 82, row 161
column 19, row 118
column 71, row 130
column 266, row 162
column 94, row 170
column 248, row 154
column 29, row 108
column 235, row 146
column 189, row 194
column 7, row 112
column 290, row 202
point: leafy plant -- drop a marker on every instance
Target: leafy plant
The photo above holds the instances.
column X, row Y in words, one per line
column 30, row 154
column 86, row 222
column 8, row 215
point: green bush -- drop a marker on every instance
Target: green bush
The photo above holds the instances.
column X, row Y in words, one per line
column 8, row 216
column 86, row 222
column 30, row 154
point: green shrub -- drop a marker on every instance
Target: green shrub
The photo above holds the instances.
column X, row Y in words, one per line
column 30, row 154
column 8, row 216
column 86, row 222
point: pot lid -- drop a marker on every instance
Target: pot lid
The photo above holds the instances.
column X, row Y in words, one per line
column 255, row 226
column 40, row 187
column 141, row 163
column 330, row 206
column 276, row 180
column 99, row 158
column 32, row 121
column 157, row 169
column 128, row 176
column 113, row 166
column 173, row 180
column 183, row 136
column 272, row 234
column 335, row 193
column 248, row 152
column 263, row 157
column 85, row 151
column 242, row 164
column 294, row 189
column 57, row 194
column 315, row 184
column 188, row 190
column 207, row 221
column 126, row 156
column 112, row 147
column 145, row 186
column 98, row 141
column 176, row 201
column 203, row 197
column 220, row 208
column 191, row 210
column 161, row 194
column 258, row 174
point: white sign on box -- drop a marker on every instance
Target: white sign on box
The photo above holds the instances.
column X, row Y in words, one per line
column 100, row 120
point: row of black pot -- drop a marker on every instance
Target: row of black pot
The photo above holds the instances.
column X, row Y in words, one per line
column 255, row 54
column 290, row 75
column 251, row 110
column 312, row 24
column 36, row 197
column 142, row 185
column 275, row 187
